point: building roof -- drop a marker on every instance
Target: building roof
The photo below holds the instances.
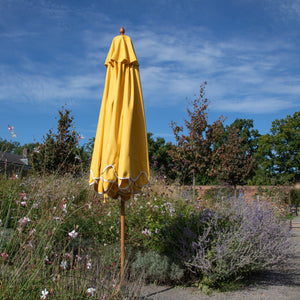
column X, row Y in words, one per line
column 13, row 159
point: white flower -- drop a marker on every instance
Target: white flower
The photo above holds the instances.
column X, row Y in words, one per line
column 44, row 294
column 89, row 204
column 63, row 264
column 89, row 265
column 146, row 232
column 73, row 234
column 91, row 291
column 1, row 223
column 32, row 231
column 64, row 208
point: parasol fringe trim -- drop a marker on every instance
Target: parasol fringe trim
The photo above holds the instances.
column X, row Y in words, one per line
column 131, row 180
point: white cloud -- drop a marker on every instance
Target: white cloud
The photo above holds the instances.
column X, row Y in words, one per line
column 26, row 88
column 172, row 68
column 289, row 8
column 251, row 69
column 252, row 105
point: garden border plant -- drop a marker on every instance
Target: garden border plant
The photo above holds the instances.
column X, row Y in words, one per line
column 60, row 240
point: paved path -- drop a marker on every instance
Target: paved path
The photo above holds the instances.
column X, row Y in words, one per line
column 272, row 285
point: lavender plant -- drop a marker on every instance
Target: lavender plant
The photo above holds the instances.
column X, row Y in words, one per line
column 251, row 239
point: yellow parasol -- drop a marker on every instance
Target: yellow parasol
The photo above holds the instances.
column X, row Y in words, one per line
column 120, row 165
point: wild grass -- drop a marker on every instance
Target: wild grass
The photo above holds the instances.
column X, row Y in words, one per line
column 53, row 244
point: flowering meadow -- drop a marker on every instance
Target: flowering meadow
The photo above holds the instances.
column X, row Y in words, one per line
column 60, row 240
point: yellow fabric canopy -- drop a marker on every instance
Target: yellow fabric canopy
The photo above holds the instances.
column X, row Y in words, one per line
column 120, row 165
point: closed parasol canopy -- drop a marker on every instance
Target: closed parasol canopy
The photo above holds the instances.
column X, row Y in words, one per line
column 120, row 165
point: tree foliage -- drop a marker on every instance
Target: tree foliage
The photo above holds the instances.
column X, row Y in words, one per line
column 248, row 136
column 193, row 151
column 9, row 147
column 59, row 152
column 232, row 161
column 159, row 159
column 278, row 152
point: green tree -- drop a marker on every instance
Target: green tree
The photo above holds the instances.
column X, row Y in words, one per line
column 278, row 152
column 248, row 136
column 192, row 153
column 9, row 147
column 59, row 153
column 159, row 159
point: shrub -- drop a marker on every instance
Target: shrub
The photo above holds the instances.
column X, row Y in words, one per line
column 179, row 234
column 295, row 197
column 156, row 268
column 252, row 240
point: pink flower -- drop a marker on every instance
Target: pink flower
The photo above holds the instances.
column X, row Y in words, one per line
column 24, row 221
column 78, row 257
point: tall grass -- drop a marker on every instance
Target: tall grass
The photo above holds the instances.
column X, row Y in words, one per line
column 51, row 243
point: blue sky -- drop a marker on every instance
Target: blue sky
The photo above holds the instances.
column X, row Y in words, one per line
column 52, row 54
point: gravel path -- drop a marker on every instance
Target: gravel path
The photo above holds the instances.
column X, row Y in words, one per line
column 275, row 284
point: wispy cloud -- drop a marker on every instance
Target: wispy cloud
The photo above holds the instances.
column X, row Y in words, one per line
column 252, row 69
column 289, row 8
column 35, row 88
column 253, row 105
column 172, row 66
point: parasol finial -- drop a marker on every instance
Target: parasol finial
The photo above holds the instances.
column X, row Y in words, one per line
column 122, row 30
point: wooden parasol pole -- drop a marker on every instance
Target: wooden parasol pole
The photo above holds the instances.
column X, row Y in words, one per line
column 122, row 31
column 122, row 239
